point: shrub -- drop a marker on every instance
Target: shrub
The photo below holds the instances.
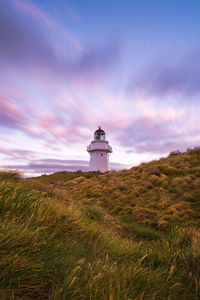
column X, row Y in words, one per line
column 10, row 175
column 195, row 150
column 141, row 231
column 174, row 153
column 95, row 213
column 162, row 224
column 154, row 179
column 168, row 170
column 154, row 171
column 148, row 185
column 122, row 187
column 176, row 181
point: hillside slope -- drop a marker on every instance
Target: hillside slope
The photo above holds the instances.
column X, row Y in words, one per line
column 158, row 193
column 127, row 235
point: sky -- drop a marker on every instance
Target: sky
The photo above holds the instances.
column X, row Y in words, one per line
column 69, row 66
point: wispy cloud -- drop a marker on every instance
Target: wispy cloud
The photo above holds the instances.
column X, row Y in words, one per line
column 164, row 76
column 33, row 10
column 17, row 154
column 48, row 166
column 72, row 12
column 157, row 135
column 10, row 115
column 44, row 17
column 34, row 50
column 63, row 73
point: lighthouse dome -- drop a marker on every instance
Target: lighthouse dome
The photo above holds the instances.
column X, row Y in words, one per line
column 99, row 134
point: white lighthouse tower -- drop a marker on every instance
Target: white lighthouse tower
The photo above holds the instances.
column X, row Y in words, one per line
column 99, row 151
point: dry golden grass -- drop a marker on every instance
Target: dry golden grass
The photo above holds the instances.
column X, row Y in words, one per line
column 121, row 235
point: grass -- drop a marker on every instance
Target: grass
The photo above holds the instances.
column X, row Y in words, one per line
column 132, row 234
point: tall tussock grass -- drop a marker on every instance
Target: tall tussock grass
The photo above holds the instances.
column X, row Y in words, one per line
column 122, row 235
column 9, row 175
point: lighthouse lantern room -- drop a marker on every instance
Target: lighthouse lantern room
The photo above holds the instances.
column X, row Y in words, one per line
column 99, row 151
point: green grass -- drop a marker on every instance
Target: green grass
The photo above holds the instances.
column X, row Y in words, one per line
column 132, row 234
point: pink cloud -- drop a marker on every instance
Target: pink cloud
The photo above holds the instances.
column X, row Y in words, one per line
column 33, row 130
column 14, row 117
column 14, row 91
column 48, row 121
column 10, row 115
column 6, row 138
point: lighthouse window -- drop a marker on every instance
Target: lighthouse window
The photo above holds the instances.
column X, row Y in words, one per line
column 101, row 154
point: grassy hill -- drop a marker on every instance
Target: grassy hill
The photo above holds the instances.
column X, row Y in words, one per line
column 127, row 235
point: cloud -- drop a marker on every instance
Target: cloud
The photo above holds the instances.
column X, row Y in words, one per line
column 165, row 76
column 17, row 154
column 34, row 11
column 13, row 117
column 21, row 41
column 10, row 115
column 52, row 127
column 156, row 135
column 27, row 45
column 48, row 166
column 71, row 11
column 44, row 17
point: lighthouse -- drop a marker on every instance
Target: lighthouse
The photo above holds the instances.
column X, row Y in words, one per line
column 99, row 151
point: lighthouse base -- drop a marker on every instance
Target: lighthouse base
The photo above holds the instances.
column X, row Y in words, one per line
column 99, row 161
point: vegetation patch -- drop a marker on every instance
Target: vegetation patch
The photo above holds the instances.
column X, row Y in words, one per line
column 132, row 234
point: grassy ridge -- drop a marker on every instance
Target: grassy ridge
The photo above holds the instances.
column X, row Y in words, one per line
column 159, row 193
column 127, row 235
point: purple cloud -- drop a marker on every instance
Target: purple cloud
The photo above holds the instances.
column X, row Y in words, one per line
column 154, row 135
column 21, row 42
column 161, row 147
column 48, row 166
column 17, row 154
column 52, row 128
column 165, row 76
column 27, row 45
